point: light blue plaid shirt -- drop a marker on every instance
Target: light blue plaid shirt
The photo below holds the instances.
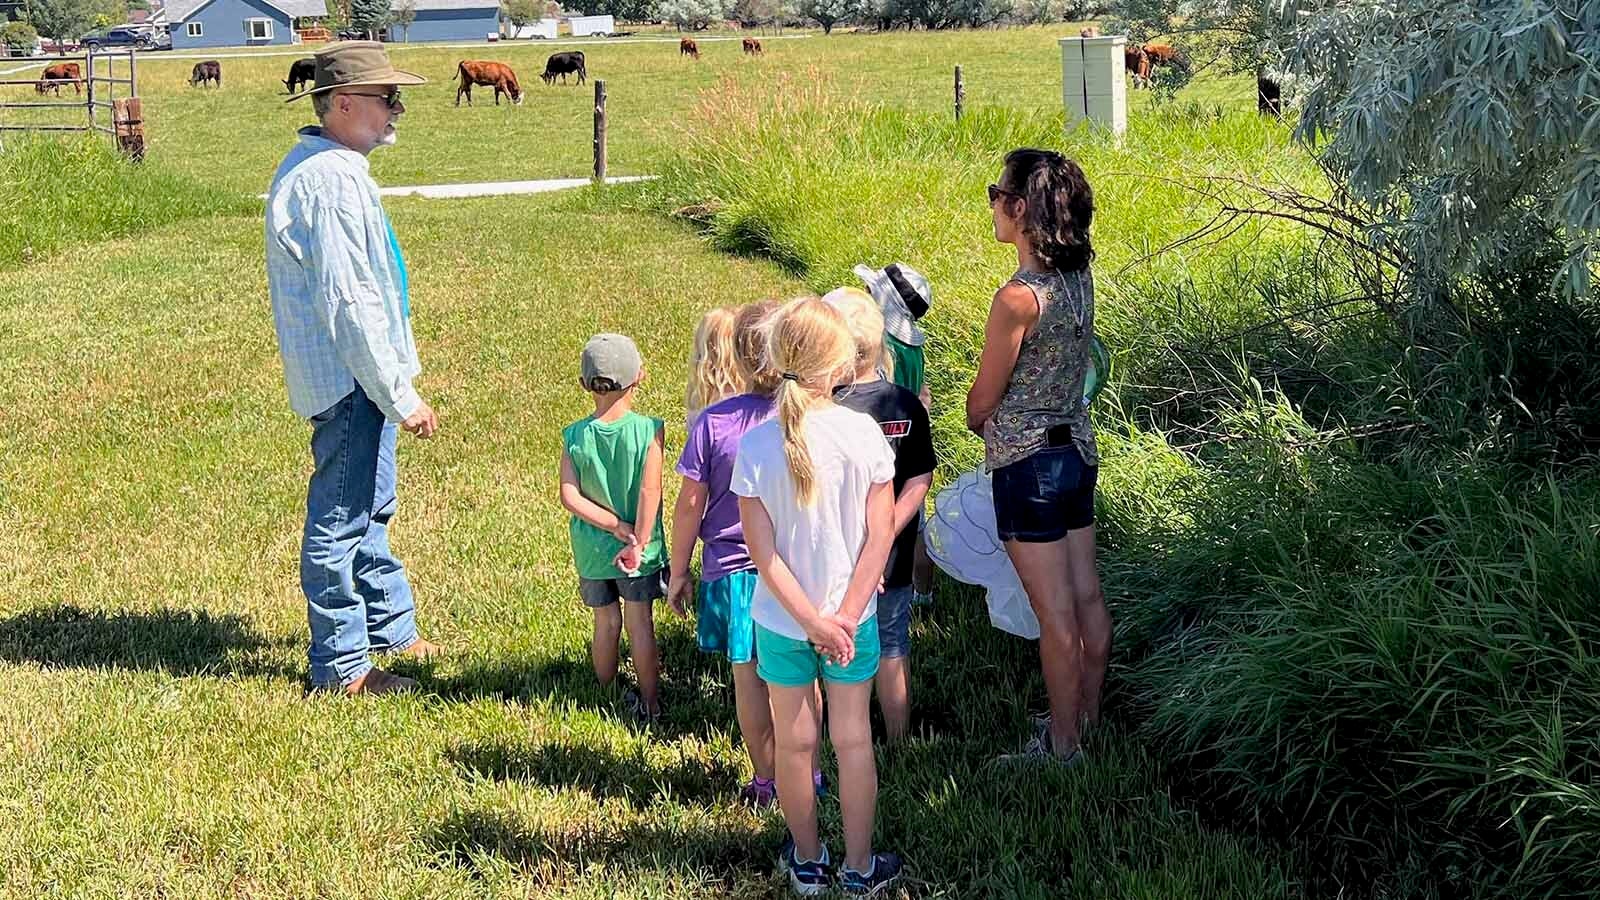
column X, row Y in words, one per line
column 338, row 283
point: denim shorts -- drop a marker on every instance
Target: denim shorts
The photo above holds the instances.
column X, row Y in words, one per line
column 598, row 593
column 722, row 621
column 1039, row 498
column 785, row 662
column 894, row 622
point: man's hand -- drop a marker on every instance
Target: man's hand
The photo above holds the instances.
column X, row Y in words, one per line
column 422, row 423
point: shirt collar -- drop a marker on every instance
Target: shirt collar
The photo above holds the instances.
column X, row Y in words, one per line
column 311, row 138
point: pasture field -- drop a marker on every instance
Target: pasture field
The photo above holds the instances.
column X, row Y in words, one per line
column 1276, row 621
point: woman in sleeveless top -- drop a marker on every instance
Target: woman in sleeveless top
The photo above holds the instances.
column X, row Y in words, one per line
column 1026, row 402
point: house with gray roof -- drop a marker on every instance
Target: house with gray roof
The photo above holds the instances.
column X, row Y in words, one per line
column 448, row 20
column 236, row 23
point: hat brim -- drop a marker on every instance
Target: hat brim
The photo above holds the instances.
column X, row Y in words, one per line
column 396, row 77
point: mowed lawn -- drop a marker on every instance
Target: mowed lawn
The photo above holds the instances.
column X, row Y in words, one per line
column 157, row 740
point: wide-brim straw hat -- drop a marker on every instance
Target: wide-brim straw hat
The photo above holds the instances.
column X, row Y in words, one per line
column 352, row 64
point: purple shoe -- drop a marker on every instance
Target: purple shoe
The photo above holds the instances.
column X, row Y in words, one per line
column 759, row 793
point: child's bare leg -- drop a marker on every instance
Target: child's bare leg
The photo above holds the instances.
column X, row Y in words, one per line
column 921, row 568
column 640, row 619
column 755, row 717
column 893, row 683
column 607, row 632
column 851, row 730
column 794, row 720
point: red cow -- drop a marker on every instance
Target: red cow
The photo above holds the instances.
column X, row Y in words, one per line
column 490, row 74
column 752, row 46
column 687, row 47
column 60, row 73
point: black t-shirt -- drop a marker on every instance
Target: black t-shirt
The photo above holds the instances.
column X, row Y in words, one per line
column 905, row 423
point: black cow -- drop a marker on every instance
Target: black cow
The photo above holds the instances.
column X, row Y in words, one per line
column 206, row 72
column 1269, row 96
column 302, row 71
column 563, row 63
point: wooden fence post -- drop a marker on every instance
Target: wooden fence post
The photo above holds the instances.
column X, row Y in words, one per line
column 961, row 93
column 600, row 131
column 128, row 116
column 88, row 60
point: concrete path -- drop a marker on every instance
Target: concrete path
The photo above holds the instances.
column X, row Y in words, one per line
column 496, row 188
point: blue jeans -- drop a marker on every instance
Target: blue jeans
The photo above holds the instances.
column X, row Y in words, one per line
column 357, row 596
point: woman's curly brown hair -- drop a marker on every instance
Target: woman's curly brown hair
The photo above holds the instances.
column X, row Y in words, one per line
column 1059, row 207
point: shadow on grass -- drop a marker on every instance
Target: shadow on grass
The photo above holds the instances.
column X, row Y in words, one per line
column 604, row 773
column 730, row 862
column 179, row 641
column 696, row 688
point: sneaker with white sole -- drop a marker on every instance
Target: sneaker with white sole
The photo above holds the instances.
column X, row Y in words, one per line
column 884, row 870
column 807, row 878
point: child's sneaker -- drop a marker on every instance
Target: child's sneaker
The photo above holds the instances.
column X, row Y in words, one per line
column 637, row 709
column 806, row 879
column 885, row 870
column 759, row 793
column 819, row 782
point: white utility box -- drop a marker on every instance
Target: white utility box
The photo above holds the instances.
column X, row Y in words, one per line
column 1093, row 84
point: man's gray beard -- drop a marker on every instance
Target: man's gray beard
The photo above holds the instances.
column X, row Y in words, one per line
column 389, row 137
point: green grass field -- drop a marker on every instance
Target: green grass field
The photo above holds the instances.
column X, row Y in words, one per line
column 157, row 740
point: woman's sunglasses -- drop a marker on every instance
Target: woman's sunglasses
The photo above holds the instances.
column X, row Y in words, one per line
column 996, row 192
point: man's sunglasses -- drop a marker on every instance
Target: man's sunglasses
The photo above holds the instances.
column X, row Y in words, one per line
column 390, row 99
column 996, row 192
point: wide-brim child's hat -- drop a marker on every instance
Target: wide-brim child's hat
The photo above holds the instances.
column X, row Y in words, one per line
column 904, row 295
column 352, row 64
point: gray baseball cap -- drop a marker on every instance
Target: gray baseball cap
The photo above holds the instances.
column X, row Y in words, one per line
column 610, row 362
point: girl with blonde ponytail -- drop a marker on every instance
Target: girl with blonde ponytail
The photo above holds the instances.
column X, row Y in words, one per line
column 816, row 500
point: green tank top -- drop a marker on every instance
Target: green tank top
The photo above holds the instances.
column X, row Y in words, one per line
column 609, row 460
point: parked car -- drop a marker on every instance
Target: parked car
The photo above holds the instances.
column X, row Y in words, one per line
column 120, row 36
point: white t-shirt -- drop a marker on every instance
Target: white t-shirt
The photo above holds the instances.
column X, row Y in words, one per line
column 820, row 543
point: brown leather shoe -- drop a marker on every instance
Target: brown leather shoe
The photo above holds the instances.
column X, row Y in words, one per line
column 377, row 682
column 422, row 650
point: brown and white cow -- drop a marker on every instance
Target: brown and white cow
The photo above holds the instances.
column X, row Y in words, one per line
column 752, row 46
column 54, row 76
column 687, row 47
column 497, row 75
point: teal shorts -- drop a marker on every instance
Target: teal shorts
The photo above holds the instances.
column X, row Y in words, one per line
column 722, row 612
column 786, row 662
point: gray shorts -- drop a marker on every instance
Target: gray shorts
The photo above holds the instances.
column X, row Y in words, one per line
column 598, row 593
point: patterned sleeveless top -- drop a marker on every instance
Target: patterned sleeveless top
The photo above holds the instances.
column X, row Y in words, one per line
column 1046, row 386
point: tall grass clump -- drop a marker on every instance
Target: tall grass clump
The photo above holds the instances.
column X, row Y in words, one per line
column 1355, row 580
column 56, row 193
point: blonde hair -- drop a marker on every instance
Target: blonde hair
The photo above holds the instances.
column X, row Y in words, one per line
column 750, row 333
column 864, row 320
column 811, row 348
column 713, row 366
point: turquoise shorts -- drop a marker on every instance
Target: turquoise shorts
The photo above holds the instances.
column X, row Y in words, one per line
column 786, row 662
column 722, row 612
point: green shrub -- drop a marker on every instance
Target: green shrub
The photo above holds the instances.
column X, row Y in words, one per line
column 18, row 37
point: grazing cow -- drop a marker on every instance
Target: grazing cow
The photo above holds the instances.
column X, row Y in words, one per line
column 55, row 75
column 563, row 63
column 302, row 72
column 1268, row 96
column 687, row 47
column 490, row 74
column 206, row 72
column 752, row 46
column 1137, row 62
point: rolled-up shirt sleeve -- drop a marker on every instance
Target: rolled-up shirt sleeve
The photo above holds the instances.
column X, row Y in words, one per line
column 356, row 313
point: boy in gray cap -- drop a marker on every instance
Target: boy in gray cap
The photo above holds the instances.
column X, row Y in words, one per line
column 611, row 483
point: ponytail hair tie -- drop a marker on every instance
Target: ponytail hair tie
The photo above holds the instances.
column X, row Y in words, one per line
column 790, row 376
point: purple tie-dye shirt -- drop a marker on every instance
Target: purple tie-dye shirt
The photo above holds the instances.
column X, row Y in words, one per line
column 708, row 457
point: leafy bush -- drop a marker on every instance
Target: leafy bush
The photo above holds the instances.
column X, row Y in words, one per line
column 18, row 37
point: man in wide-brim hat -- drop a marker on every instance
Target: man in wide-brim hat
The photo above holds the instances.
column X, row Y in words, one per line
column 342, row 310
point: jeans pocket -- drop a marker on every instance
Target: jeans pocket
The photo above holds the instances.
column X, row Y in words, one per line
column 1058, row 471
